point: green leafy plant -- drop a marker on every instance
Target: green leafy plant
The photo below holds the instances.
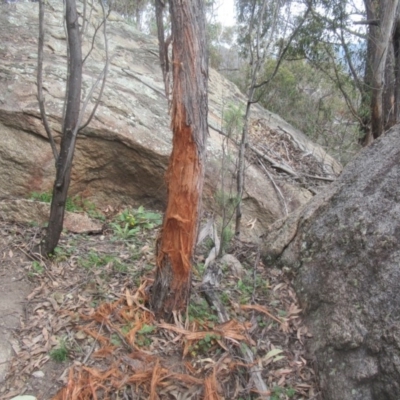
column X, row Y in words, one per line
column 60, row 254
column 60, row 353
column 124, row 232
column 95, row 260
column 115, row 340
column 245, row 287
column 130, row 222
column 200, row 311
column 45, row 197
column 37, row 268
column 279, row 392
column 233, row 118
column 203, row 346
column 147, row 219
column 143, row 337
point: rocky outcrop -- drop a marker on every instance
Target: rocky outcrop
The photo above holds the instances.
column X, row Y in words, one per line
column 344, row 249
column 122, row 156
column 36, row 212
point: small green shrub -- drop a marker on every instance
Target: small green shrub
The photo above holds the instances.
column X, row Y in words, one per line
column 279, row 392
column 125, row 231
column 37, row 268
column 60, row 353
column 203, row 346
column 45, row 197
column 130, row 222
column 200, row 311
column 143, row 337
column 95, row 260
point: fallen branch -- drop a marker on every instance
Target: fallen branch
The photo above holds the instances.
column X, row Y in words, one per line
column 276, row 187
column 273, row 163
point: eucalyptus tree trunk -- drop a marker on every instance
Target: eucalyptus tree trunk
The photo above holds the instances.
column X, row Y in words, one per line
column 185, row 175
column 396, row 72
column 380, row 39
column 71, row 120
column 73, row 112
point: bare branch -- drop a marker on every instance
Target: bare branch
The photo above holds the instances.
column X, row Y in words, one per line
column 276, row 187
column 105, row 70
column 282, row 55
column 96, row 30
column 68, row 68
column 162, row 45
column 350, row 64
column 103, row 77
column 40, row 82
column 374, row 22
column 274, row 164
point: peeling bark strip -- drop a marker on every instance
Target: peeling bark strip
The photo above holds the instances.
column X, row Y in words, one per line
column 185, row 173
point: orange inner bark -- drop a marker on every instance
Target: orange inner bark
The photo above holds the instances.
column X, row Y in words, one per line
column 184, row 179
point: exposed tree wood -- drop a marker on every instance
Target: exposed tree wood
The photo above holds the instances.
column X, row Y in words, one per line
column 185, row 173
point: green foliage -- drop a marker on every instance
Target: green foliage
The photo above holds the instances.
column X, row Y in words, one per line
column 95, row 260
column 200, row 267
column 60, row 353
column 130, row 222
column 60, row 254
column 279, row 393
column 226, row 237
column 146, row 329
column 45, row 197
column 305, row 97
column 234, row 118
column 72, row 204
column 203, row 346
column 200, row 311
column 115, row 340
column 226, row 203
column 124, row 232
column 245, row 287
column 143, row 336
column 225, row 299
column 37, row 268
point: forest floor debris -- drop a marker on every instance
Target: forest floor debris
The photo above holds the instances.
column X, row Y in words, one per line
column 87, row 333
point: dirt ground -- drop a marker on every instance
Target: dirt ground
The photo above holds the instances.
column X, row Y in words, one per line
column 77, row 326
column 14, row 287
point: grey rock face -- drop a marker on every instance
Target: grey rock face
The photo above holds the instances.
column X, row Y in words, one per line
column 345, row 248
column 122, row 156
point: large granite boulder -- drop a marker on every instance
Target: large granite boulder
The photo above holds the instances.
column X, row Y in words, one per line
column 122, row 156
column 344, row 250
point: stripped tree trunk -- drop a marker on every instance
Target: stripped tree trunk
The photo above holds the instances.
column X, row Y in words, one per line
column 185, row 173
